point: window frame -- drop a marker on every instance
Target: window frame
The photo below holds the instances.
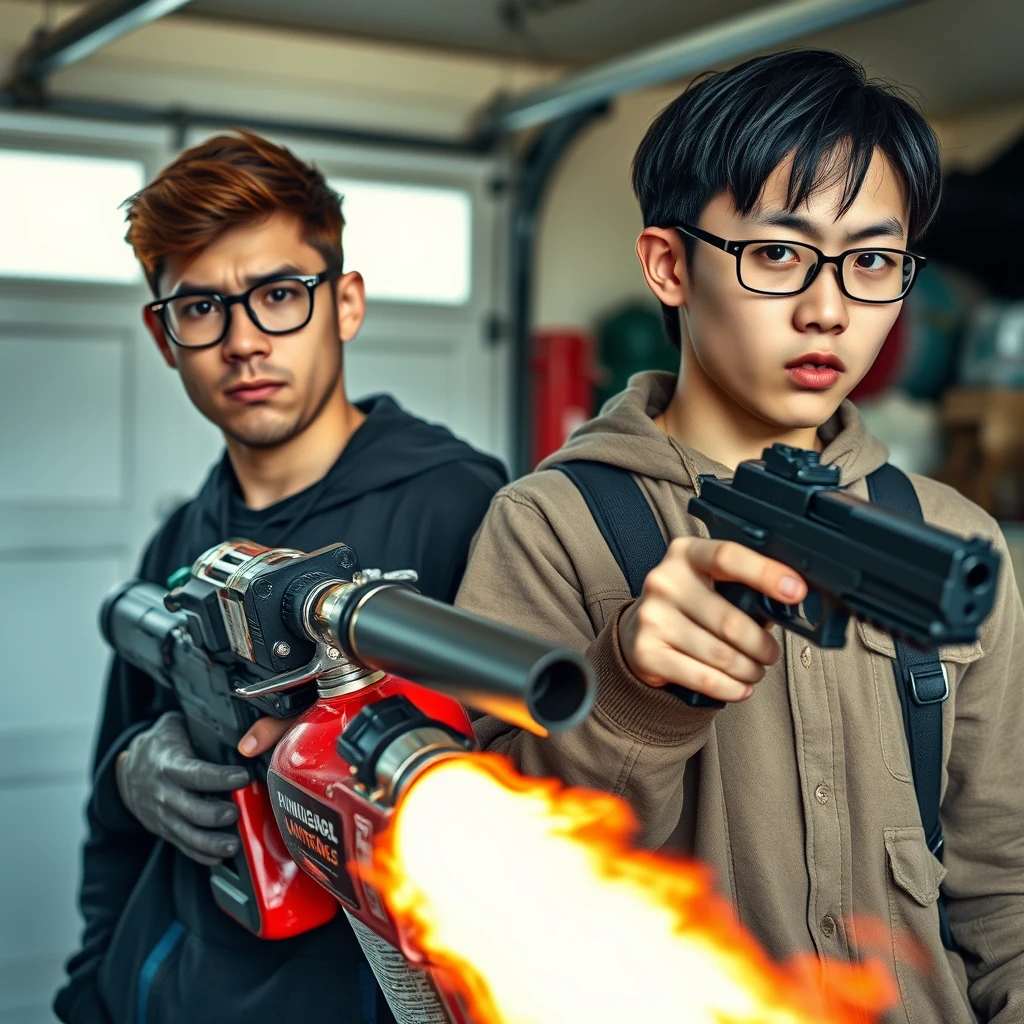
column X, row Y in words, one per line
column 63, row 136
column 399, row 166
column 337, row 182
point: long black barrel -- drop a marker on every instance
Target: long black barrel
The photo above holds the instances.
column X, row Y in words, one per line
column 517, row 677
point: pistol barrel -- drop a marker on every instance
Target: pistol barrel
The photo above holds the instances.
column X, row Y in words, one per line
column 922, row 583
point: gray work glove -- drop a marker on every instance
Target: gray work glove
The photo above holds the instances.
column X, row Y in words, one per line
column 160, row 779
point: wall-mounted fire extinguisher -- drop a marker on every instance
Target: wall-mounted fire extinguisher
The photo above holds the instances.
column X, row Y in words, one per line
column 564, row 378
column 380, row 674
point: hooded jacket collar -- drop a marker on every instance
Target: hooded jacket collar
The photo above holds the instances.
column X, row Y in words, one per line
column 390, row 446
column 625, row 435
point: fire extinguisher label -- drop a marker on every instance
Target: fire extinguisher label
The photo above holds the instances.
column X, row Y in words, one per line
column 314, row 835
column 412, row 993
column 364, row 856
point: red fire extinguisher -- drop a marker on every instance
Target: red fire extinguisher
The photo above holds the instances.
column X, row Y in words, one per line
column 564, row 379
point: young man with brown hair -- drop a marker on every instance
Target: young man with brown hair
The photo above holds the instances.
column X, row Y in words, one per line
column 241, row 245
column 780, row 201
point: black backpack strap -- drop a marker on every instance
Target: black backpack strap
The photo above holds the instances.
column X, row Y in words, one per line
column 631, row 532
column 921, row 685
column 622, row 515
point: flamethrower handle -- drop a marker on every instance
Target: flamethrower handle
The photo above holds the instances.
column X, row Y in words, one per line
column 500, row 671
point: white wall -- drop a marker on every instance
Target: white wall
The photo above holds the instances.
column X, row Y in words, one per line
column 971, row 138
column 590, row 220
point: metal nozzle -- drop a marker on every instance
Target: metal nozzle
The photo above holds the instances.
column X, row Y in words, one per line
column 497, row 670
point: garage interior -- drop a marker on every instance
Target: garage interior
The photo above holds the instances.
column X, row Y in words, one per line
column 506, row 128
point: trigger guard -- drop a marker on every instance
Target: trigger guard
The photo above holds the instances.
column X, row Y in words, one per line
column 748, row 600
column 824, row 625
column 827, row 629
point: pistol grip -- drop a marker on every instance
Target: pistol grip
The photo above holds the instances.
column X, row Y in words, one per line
column 691, row 697
column 746, row 600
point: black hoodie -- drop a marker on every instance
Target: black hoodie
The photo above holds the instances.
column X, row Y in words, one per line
column 156, row 948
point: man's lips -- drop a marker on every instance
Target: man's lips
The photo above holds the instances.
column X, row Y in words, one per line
column 817, row 359
column 815, row 371
column 254, row 390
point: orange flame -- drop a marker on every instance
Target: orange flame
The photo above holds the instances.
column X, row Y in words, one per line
column 530, row 900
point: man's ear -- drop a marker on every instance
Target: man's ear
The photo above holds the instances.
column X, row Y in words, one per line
column 350, row 297
column 156, row 327
column 662, row 256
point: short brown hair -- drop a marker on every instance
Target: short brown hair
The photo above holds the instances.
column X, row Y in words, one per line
column 223, row 183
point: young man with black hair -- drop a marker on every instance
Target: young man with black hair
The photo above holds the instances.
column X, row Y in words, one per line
column 241, row 245
column 781, row 201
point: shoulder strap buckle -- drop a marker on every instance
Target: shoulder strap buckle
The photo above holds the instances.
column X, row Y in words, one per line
column 928, row 684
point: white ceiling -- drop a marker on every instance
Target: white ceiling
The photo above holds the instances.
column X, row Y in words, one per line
column 956, row 54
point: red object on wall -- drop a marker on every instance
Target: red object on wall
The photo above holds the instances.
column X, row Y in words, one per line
column 562, row 367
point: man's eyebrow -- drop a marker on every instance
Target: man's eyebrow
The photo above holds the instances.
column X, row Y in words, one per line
column 249, row 280
column 890, row 227
column 785, row 219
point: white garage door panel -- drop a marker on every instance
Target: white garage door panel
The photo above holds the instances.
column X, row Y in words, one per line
column 53, row 678
column 41, row 923
column 45, row 756
column 43, row 821
column 27, row 987
column 64, row 400
column 422, row 381
column 41, row 528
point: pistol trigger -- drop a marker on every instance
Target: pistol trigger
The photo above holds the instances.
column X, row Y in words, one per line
column 755, row 535
column 745, row 598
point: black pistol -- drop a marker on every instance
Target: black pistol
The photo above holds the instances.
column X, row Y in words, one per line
column 924, row 585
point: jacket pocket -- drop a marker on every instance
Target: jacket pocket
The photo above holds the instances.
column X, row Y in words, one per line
column 928, row 991
column 882, row 657
column 912, row 867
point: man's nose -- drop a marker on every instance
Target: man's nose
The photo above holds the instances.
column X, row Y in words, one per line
column 244, row 339
column 823, row 307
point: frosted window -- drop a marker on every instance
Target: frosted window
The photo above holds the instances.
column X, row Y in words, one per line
column 411, row 243
column 60, row 216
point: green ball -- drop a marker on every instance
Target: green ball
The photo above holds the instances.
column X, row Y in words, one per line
column 632, row 339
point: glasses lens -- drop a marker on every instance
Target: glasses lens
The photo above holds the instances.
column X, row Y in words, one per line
column 878, row 275
column 779, row 268
column 282, row 305
column 195, row 320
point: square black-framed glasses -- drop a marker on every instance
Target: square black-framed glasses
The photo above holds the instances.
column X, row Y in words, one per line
column 310, row 281
column 738, row 247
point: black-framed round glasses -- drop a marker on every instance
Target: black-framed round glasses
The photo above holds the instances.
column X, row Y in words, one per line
column 771, row 266
column 277, row 305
